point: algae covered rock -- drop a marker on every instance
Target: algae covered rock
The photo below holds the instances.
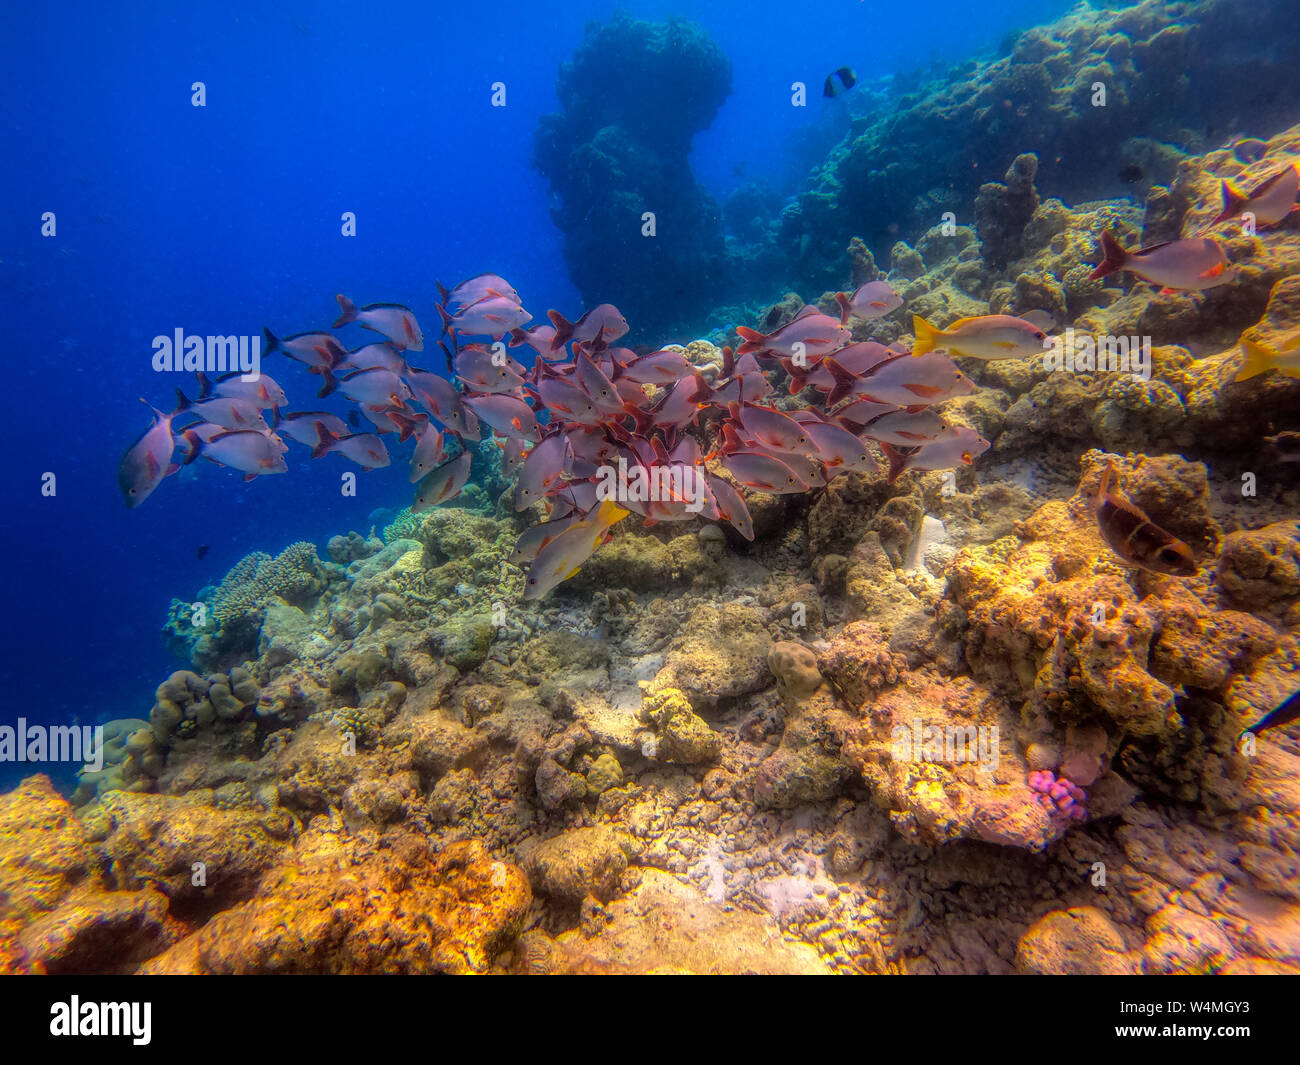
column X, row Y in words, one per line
column 679, row 733
column 465, row 641
column 1076, row 942
column 578, row 863
column 721, row 653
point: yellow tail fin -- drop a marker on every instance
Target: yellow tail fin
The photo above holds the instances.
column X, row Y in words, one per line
column 1258, row 360
column 926, row 335
column 609, row 513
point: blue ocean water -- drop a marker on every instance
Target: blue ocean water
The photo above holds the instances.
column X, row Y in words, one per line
column 225, row 218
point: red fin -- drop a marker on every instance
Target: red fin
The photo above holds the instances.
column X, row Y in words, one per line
column 753, row 340
column 563, row 329
column 897, row 460
column 728, row 362
column 349, row 311
column 842, row 298
column 1113, row 257
column 250, row 477
column 845, row 381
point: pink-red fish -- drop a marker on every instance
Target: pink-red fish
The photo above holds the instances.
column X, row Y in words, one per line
column 443, row 483
column 224, row 411
column 252, row 453
column 539, row 339
column 316, row 351
column 1180, row 265
column 475, row 289
column 658, row 368
column 391, row 319
column 963, row 447
column 302, row 425
column 377, row 387
column 441, row 399
column 856, row 358
column 482, row 372
column 544, row 467
column 907, row 428
column 764, row 473
column 508, row 415
column 809, row 336
column 731, row 506
column 365, row 449
column 1272, row 200
column 875, row 299
column 596, row 329
column 262, row 390
column 382, row 356
column 492, row 316
column 148, row 460
column 921, row 379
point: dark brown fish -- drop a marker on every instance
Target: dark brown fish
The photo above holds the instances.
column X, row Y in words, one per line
column 1136, row 538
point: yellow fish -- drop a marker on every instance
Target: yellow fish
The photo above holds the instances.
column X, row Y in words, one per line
column 563, row 556
column 1260, row 359
column 990, row 336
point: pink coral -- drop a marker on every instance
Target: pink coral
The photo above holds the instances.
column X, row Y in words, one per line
column 1058, row 795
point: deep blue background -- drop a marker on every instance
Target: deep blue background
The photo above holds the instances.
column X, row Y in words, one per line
column 224, row 219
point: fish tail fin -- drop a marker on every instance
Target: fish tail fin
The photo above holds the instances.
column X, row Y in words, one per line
column 728, row 361
column 844, row 381
column 325, row 440
column 271, row 340
column 446, row 319
column 798, row 378
column 609, row 512
column 517, row 337
column 205, row 385
column 643, row 418
column 1103, row 486
column 897, row 460
column 842, row 298
column 195, row 446
column 1233, row 201
column 348, row 309
column 927, row 336
column 443, row 294
column 563, row 329
column 330, row 383
column 1113, row 257
column 182, row 401
column 752, row 340
column 1258, row 361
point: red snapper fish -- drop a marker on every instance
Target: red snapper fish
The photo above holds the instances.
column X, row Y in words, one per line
column 148, row 460
column 873, row 300
column 595, row 330
column 963, row 447
column 302, row 425
column 443, row 483
column 391, row 319
column 224, row 411
column 508, row 415
column 482, row 372
column 1272, row 200
column 475, row 289
column 316, row 351
column 1190, row 265
column 441, row 399
column 809, row 336
column 907, row 381
column 544, row 467
column 262, row 390
column 731, row 506
column 365, row 449
column 252, row 453
column 492, row 316
column 382, row 355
